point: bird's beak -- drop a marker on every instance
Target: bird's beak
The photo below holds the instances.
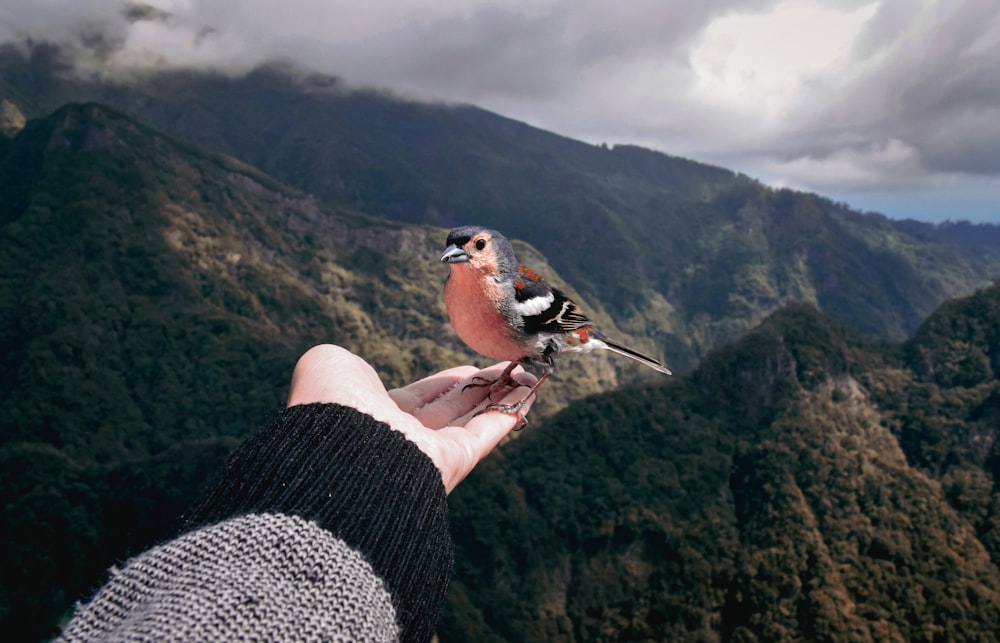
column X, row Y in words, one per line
column 454, row 254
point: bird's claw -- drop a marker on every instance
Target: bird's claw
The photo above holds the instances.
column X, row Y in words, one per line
column 496, row 386
column 478, row 381
column 500, row 384
column 508, row 409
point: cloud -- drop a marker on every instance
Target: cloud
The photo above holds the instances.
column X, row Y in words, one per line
column 822, row 94
column 889, row 163
column 761, row 64
column 928, row 78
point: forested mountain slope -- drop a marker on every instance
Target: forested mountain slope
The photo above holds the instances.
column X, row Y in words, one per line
column 680, row 253
column 804, row 483
column 155, row 298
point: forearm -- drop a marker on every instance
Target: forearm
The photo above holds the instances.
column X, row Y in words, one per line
column 325, row 519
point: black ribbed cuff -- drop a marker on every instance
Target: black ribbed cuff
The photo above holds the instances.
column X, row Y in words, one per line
column 358, row 479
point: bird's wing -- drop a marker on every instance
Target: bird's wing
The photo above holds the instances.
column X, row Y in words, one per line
column 562, row 316
column 544, row 308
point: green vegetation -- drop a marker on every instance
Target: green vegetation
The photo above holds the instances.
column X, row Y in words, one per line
column 681, row 256
column 155, row 298
column 143, row 334
column 804, row 482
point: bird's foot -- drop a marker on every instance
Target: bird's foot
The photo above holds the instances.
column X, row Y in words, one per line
column 502, row 382
column 510, row 409
column 498, row 385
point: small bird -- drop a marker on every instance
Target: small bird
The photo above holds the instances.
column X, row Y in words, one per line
column 501, row 309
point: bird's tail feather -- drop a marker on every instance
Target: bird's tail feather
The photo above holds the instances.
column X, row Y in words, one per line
column 621, row 349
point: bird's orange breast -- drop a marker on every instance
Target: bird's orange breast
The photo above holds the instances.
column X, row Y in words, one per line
column 474, row 305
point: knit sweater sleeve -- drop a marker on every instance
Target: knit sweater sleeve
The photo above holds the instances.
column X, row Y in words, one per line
column 326, row 524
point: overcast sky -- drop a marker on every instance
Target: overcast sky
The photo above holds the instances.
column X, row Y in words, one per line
column 889, row 105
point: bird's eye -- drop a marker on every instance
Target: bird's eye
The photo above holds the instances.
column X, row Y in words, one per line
column 480, row 244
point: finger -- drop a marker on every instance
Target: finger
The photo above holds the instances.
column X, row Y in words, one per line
column 483, row 432
column 459, row 403
column 328, row 373
column 430, row 399
column 413, row 396
column 474, row 416
column 471, row 443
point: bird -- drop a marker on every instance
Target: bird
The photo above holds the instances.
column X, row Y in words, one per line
column 505, row 311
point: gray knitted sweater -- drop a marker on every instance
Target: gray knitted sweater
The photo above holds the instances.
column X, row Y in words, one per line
column 327, row 525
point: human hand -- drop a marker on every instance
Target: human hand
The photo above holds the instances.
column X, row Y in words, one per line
column 437, row 413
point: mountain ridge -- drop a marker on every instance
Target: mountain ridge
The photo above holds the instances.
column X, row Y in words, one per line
column 684, row 254
column 156, row 296
column 795, row 484
column 803, row 483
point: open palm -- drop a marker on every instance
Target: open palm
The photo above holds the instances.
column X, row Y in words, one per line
column 437, row 413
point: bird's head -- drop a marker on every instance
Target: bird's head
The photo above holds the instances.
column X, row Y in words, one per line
column 480, row 248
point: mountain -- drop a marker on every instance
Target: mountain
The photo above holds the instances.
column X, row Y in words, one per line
column 681, row 255
column 155, row 297
column 804, row 480
column 805, row 483
column 11, row 118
